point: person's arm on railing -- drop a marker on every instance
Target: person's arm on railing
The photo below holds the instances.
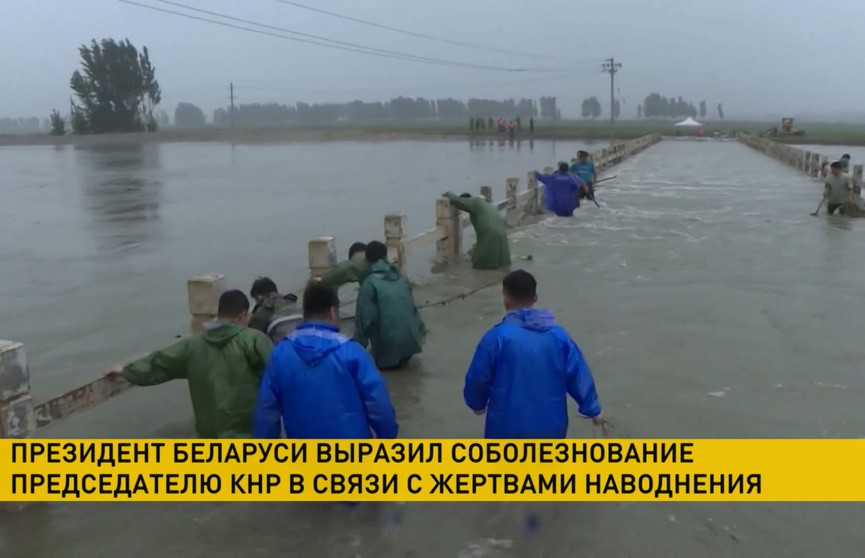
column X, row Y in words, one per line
column 156, row 368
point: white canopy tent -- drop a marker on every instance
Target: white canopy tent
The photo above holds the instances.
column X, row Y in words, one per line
column 688, row 122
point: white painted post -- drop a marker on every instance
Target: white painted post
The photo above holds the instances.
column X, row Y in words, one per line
column 394, row 233
column 487, row 193
column 203, row 293
column 17, row 419
column 857, row 179
column 512, row 216
column 815, row 164
column 534, row 204
column 16, row 405
column 449, row 244
column 322, row 255
column 823, row 162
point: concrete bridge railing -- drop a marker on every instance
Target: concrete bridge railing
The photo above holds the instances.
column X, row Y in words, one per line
column 20, row 417
column 804, row 161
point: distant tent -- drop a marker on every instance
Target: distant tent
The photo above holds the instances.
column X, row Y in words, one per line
column 689, row 122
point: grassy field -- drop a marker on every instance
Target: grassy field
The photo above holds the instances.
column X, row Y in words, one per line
column 815, row 133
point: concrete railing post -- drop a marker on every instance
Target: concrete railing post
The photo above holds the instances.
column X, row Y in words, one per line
column 322, row 255
column 203, row 293
column 16, row 405
column 487, row 193
column 17, row 419
column 394, row 234
column 823, row 162
column 815, row 164
column 535, row 204
column 857, row 179
column 512, row 216
column 449, row 244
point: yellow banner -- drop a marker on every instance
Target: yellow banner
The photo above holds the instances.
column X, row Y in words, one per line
column 432, row 470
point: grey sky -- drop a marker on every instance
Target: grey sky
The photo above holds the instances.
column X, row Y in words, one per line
column 755, row 56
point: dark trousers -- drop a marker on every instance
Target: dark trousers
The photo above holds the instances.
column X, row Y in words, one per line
column 831, row 208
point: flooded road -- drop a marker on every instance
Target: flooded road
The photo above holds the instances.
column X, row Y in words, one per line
column 97, row 243
column 708, row 303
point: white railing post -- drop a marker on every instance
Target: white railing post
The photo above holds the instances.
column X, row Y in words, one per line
column 203, row 293
column 394, row 235
column 512, row 216
column 448, row 246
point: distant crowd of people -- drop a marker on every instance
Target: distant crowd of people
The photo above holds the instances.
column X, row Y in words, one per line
column 255, row 372
column 501, row 125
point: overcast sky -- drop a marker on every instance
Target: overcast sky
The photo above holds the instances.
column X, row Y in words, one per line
column 754, row 56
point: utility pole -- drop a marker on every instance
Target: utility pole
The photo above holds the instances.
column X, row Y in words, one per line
column 611, row 67
column 231, row 97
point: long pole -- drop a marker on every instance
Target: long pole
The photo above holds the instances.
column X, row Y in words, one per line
column 231, row 97
column 611, row 67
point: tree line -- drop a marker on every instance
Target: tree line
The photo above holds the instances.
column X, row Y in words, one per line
column 654, row 105
column 396, row 109
column 116, row 90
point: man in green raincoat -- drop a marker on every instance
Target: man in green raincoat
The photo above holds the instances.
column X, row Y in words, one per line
column 274, row 314
column 223, row 365
column 386, row 315
column 353, row 270
column 491, row 249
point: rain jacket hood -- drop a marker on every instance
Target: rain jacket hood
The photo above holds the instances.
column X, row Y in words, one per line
column 387, row 318
column 321, row 384
column 219, row 333
column 522, row 372
column 314, row 341
column 275, row 315
column 531, row 318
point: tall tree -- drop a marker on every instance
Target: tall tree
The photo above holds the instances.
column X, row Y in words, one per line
column 702, row 109
column 58, row 125
column 116, row 89
column 639, row 112
column 187, row 115
column 720, row 111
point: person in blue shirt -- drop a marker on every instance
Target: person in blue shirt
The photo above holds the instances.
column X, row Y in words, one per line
column 584, row 170
column 525, row 367
column 560, row 191
column 320, row 384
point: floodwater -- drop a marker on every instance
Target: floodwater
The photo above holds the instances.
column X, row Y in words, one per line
column 708, row 302
column 97, row 243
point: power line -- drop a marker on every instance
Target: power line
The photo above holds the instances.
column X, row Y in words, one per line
column 339, row 45
column 415, row 34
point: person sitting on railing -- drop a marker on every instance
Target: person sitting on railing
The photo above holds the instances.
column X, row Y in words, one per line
column 353, row 270
column 386, row 317
column 585, row 171
column 273, row 313
column 321, row 384
column 491, row 249
column 223, row 365
column 561, row 191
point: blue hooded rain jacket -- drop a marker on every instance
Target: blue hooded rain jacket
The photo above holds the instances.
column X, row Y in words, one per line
column 521, row 373
column 322, row 385
column 561, row 192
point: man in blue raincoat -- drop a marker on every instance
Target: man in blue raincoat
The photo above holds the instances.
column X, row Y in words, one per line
column 525, row 367
column 561, row 191
column 321, row 384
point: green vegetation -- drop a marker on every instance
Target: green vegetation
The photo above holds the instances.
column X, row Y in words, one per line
column 58, row 125
column 117, row 90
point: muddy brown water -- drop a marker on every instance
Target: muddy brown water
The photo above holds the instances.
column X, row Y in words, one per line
column 707, row 300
